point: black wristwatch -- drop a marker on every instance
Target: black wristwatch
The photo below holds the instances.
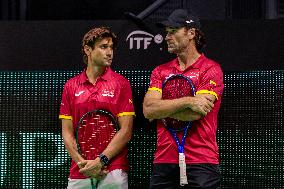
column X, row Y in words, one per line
column 104, row 159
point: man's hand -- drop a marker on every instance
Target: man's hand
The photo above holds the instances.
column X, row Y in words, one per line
column 202, row 104
column 93, row 168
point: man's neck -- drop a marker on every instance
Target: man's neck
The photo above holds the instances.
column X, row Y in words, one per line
column 188, row 57
column 93, row 72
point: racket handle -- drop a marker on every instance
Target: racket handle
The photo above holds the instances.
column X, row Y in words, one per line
column 182, row 169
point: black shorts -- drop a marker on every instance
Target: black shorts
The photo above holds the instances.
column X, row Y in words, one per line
column 166, row 176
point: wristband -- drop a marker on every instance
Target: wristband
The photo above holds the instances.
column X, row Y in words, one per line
column 104, row 159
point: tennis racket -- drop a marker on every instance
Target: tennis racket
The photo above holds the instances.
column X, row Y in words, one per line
column 94, row 132
column 177, row 86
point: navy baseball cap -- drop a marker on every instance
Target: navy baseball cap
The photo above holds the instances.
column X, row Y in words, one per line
column 180, row 18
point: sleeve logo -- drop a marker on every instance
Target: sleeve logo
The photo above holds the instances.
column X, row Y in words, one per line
column 213, row 83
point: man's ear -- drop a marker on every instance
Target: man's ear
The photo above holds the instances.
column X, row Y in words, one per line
column 191, row 33
column 87, row 49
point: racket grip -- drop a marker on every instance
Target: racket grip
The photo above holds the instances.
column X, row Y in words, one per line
column 182, row 169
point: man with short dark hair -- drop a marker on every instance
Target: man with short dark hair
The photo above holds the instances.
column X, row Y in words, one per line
column 186, row 40
column 98, row 87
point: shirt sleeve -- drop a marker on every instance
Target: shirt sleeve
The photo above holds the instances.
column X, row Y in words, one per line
column 65, row 107
column 125, row 101
column 211, row 82
column 155, row 81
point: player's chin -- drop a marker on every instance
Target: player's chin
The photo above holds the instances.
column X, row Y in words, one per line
column 171, row 50
column 107, row 63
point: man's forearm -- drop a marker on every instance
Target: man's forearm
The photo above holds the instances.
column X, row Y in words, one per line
column 71, row 147
column 159, row 109
column 186, row 115
column 121, row 138
column 119, row 141
column 69, row 140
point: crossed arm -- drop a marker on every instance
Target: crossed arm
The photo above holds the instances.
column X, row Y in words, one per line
column 185, row 108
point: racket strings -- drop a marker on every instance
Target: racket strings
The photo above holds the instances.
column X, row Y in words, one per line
column 174, row 88
column 95, row 134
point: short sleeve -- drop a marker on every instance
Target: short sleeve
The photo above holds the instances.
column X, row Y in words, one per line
column 65, row 107
column 125, row 106
column 211, row 82
column 156, row 81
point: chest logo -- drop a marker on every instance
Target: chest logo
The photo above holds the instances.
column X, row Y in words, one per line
column 79, row 93
column 107, row 92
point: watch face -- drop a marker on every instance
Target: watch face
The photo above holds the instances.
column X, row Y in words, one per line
column 104, row 159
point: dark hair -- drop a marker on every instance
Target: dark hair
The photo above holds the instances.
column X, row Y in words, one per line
column 95, row 35
column 199, row 39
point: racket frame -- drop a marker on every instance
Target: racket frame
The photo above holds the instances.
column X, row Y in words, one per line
column 98, row 111
column 180, row 145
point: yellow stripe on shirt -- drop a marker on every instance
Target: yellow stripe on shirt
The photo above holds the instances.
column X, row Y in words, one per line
column 65, row 117
column 126, row 114
column 155, row 89
column 207, row 92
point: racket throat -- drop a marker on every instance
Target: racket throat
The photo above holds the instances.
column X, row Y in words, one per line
column 180, row 149
column 182, row 169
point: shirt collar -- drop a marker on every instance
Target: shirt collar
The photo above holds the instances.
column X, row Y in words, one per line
column 105, row 76
column 196, row 64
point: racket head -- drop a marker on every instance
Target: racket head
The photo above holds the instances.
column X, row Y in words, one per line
column 177, row 86
column 94, row 132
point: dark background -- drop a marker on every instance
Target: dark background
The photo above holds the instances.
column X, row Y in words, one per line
column 40, row 49
column 112, row 10
column 238, row 45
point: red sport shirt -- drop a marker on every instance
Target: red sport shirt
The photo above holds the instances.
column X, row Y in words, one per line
column 200, row 144
column 111, row 92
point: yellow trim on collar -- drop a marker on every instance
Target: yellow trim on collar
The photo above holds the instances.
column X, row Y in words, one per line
column 155, row 89
column 126, row 114
column 65, row 117
column 207, row 92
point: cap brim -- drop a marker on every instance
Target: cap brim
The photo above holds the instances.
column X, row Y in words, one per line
column 167, row 23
